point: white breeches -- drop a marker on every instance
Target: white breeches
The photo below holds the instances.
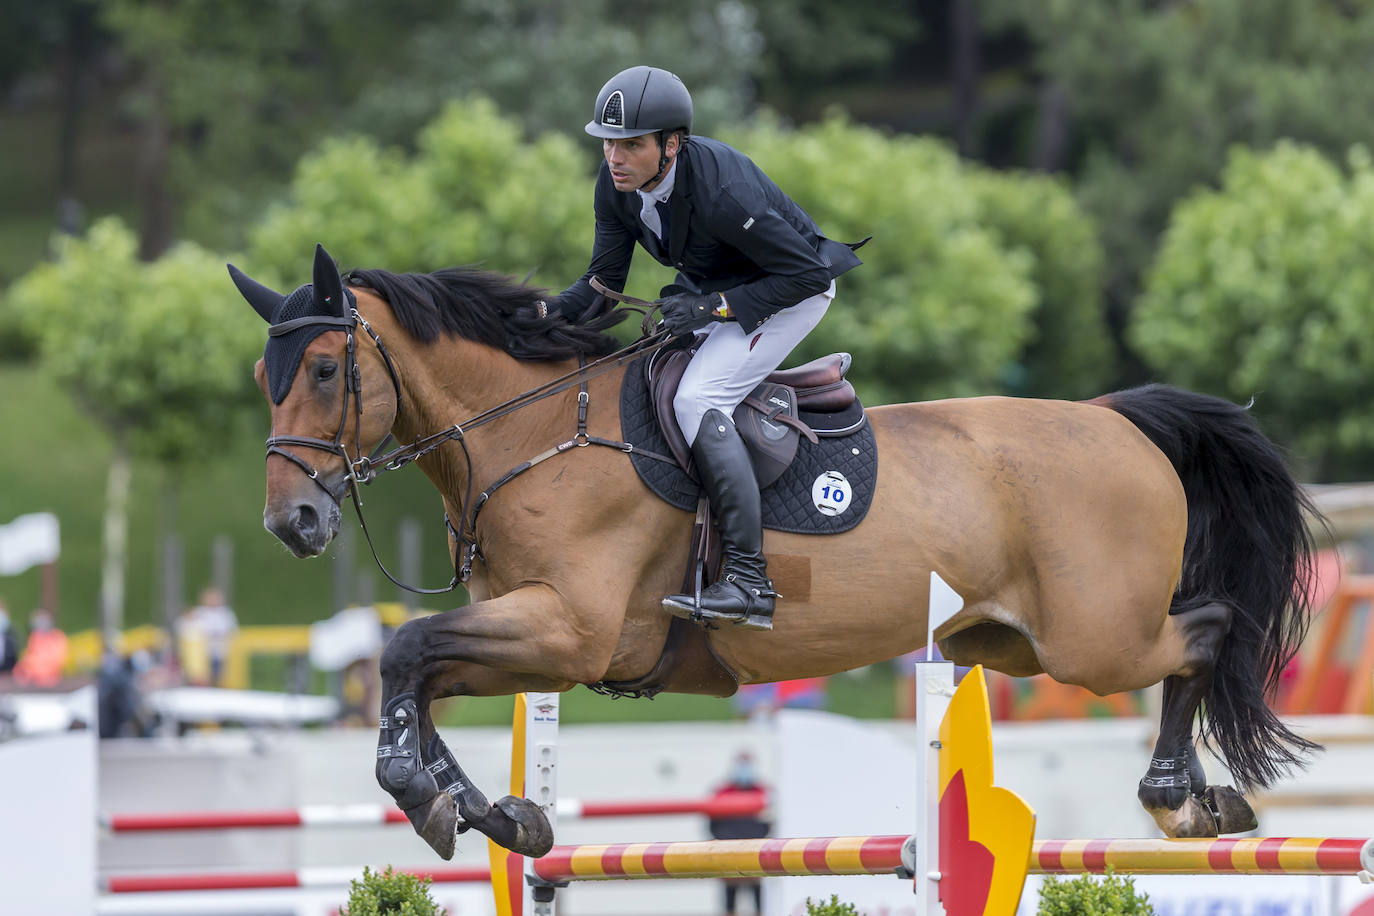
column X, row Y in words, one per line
column 730, row 363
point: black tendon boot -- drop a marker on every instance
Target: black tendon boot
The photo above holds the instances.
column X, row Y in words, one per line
column 744, row 594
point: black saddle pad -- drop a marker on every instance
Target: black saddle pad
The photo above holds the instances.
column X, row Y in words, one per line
column 827, row 488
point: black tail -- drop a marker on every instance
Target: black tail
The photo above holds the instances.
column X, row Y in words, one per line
column 1248, row 545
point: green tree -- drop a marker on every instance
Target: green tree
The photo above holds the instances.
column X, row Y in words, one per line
column 974, row 282
column 1149, row 97
column 152, row 351
column 1262, row 289
column 475, row 191
column 226, row 97
column 542, row 63
column 1069, row 354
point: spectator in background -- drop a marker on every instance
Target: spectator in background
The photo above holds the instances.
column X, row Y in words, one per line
column 117, row 697
column 9, row 648
column 216, row 623
column 45, row 655
column 742, row 779
column 192, row 651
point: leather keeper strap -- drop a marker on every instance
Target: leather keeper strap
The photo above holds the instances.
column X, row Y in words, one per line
column 774, row 413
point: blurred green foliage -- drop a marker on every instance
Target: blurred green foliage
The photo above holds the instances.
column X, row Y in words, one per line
column 389, row 893
column 473, row 192
column 155, row 350
column 1155, row 95
column 1263, row 288
column 940, row 306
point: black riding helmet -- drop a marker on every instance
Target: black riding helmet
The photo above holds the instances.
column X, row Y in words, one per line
column 642, row 100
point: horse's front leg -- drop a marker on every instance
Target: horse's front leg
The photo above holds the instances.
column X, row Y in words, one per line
column 487, row 649
column 406, row 769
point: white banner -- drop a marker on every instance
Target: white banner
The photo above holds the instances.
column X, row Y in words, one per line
column 29, row 540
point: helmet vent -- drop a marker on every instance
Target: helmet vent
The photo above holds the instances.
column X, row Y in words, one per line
column 613, row 114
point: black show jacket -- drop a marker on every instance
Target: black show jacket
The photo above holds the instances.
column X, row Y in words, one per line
column 732, row 230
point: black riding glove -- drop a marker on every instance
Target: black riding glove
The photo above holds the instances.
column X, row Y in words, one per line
column 683, row 313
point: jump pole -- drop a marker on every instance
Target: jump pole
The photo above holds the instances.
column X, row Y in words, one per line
column 728, row 804
column 878, row 855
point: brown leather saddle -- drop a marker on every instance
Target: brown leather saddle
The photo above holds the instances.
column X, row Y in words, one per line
column 770, row 420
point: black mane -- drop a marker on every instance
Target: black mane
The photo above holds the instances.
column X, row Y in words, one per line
column 487, row 308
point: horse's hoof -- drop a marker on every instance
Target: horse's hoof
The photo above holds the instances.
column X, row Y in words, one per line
column 518, row 825
column 1191, row 819
column 1233, row 812
column 436, row 821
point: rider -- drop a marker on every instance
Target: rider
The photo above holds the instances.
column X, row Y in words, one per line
column 754, row 277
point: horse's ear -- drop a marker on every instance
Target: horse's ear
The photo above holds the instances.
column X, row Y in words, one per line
column 263, row 300
column 329, row 297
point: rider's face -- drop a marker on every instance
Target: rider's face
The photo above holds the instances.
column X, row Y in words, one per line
column 634, row 160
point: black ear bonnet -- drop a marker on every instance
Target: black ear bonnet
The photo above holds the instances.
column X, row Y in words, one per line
column 283, row 353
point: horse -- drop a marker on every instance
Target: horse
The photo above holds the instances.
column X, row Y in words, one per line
column 1148, row 535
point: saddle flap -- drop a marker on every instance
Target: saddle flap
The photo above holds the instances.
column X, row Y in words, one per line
column 767, row 422
column 664, row 373
column 769, row 426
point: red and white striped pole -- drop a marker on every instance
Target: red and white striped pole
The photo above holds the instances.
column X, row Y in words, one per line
column 300, row 877
column 727, row 804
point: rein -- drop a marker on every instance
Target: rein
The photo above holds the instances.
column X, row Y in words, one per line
column 364, row 469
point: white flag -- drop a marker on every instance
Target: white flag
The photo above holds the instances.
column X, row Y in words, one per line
column 29, row 540
column 944, row 604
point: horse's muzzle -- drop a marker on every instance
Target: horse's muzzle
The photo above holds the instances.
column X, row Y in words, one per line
column 306, row 527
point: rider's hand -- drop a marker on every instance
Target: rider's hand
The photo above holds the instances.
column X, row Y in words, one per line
column 683, row 313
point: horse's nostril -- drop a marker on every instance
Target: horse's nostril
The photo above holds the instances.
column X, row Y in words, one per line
column 305, row 519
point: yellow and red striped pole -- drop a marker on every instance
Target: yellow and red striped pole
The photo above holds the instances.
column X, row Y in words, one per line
column 859, row 855
column 849, row 855
column 1245, row 856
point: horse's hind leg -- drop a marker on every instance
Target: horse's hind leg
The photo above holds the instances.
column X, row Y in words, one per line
column 1174, row 791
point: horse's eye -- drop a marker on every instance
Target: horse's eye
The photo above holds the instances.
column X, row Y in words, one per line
column 325, row 371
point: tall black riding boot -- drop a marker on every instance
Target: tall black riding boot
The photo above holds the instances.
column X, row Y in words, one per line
column 744, row 594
